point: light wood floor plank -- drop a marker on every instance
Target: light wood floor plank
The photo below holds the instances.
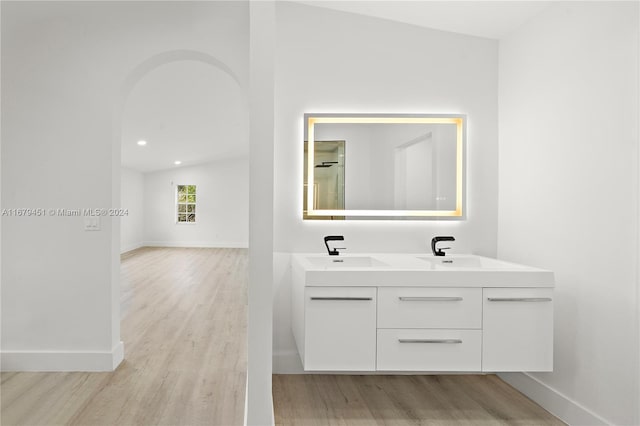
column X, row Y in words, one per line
column 184, row 326
column 402, row 401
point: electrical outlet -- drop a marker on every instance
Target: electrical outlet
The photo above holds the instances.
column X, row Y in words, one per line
column 92, row 223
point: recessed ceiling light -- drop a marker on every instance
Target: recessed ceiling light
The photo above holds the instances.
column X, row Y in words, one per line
column 142, row 143
column 177, row 162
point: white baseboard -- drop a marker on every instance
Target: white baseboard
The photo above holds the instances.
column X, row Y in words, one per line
column 90, row 361
column 558, row 404
column 197, row 244
column 117, row 355
column 287, row 363
column 131, row 247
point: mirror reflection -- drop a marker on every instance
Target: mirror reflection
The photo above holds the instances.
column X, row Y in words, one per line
column 329, row 185
column 391, row 166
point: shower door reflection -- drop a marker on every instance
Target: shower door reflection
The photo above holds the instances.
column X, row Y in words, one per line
column 328, row 185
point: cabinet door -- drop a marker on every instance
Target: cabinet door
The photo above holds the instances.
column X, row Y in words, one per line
column 340, row 329
column 517, row 329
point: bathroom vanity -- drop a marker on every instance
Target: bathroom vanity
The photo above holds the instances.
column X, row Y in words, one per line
column 421, row 313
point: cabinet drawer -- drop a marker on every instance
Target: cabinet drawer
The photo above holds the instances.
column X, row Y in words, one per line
column 411, row 307
column 340, row 329
column 429, row 350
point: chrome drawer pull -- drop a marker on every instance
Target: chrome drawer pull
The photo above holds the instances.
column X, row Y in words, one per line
column 342, row 298
column 519, row 299
column 447, row 341
column 430, row 299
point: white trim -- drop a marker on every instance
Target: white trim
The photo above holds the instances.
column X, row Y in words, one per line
column 117, row 355
column 90, row 361
column 287, row 362
column 197, row 244
column 131, row 247
column 637, row 224
column 246, row 400
column 552, row 400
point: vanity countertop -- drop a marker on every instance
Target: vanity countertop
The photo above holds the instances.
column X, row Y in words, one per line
column 404, row 269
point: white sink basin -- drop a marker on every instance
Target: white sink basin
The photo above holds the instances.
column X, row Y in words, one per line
column 468, row 262
column 418, row 269
column 330, row 262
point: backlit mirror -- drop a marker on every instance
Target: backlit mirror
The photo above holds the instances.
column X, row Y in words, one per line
column 384, row 166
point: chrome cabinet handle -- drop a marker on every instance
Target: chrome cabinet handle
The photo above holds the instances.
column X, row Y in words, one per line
column 341, row 298
column 519, row 299
column 446, row 341
column 430, row 299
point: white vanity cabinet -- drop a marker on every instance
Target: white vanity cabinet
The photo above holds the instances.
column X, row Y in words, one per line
column 517, row 330
column 393, row 314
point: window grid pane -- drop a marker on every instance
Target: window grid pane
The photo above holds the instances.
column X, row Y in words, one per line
column 186, row 203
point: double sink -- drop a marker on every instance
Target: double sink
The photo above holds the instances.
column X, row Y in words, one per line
column 392, row 269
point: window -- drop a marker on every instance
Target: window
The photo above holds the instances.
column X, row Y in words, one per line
column 186, row 204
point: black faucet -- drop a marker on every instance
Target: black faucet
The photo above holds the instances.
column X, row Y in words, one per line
column 335, row 251
column 435, row 240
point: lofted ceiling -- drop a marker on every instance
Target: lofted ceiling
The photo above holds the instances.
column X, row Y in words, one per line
column 186, row 111
column 489, row 19
column 193, row 112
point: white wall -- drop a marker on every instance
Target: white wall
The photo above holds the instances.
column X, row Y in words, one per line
column 222, row 209
column 328, row 61
column 569, row 198
column 65, row 66
column 132, row 199
column 259, row 407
